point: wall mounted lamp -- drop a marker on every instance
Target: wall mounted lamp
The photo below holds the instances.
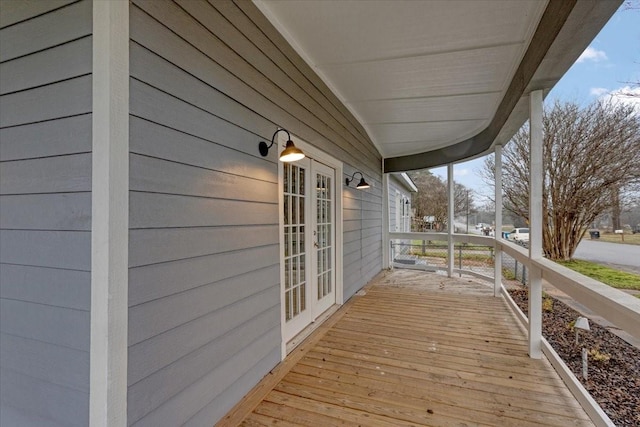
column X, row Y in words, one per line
column 361, row 185
column 291, row 153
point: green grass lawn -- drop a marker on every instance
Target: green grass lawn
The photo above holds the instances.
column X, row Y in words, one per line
column 615, row 278
column 629, row 239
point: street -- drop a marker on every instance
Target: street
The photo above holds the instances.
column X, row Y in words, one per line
column 627, row 257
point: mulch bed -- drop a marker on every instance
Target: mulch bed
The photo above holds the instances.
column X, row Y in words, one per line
column 613, row 383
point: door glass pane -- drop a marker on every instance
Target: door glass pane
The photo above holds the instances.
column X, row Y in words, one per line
column 294, row 210
column 286, row 209
column 294, row 243
column 287, row 308
column 294, row 272
column 286, row 241
column 286, row 177
column 287, row 274
column 324, row 253
column 301, row 210
column 294, row 247
column 294, row 180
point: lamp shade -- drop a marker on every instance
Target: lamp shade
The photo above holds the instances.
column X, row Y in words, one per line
column 291, row 153
column 362, row 184
column 582, row 323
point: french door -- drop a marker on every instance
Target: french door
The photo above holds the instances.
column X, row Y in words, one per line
column 308, row 227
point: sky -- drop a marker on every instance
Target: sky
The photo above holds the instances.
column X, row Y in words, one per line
column 605, row 70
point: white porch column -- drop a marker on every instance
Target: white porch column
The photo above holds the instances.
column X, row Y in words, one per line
column 110, row 215
column 498, row 218
column 386, row 261
column 450, row 224
column 535, row 224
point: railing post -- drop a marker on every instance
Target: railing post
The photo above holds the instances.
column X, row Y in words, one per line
column 535, row 224
column 393, row 254
column 450, row 224
column 497, row 234
column 386, row 260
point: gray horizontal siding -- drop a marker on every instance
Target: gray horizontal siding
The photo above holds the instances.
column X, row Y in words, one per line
column 37, row 31
column 161, row 176
column 27, row 9
column 156, row 210
column 63, row 211
column 158, row 280
column 61, row 99
column 172, row 311
column 42, row 399
column 208, row 389
column 151, row 392
column 60, row 174
column 69, row 250
column 154, row 246
column 228, row 72
column 52, row 286
column 40, row 359
column 45, row 212
column 192, row 148
column 60, row 137
column 234, row 391
column 204, row 291
column 64, row 61
column 51, row 324
column 10, row 416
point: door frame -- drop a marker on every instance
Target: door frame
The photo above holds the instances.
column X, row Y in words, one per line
column 322, row 157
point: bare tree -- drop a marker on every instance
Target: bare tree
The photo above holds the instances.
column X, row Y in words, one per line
column 588, row 153
column 431, row 200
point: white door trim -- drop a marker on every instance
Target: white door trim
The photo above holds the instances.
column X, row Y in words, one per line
column 322, row 157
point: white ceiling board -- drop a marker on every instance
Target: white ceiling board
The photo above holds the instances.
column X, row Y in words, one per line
column 359, row 30
column 400, row 139
column 418, row 75
column 457, row 73
column 439, row 108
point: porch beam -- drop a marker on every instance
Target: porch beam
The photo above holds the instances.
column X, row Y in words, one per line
column 498, row 222
column 450, row 219
column 535, row 223
column 109, row 215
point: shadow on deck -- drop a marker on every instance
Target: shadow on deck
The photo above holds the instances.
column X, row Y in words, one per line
column 417, row 349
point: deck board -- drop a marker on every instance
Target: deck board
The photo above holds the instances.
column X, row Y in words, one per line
column 417, row 349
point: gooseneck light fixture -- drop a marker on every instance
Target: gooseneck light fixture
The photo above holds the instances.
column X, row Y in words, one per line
column 291, row 153
column 361, row 185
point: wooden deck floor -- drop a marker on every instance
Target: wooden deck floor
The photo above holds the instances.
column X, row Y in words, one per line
column 417, row 349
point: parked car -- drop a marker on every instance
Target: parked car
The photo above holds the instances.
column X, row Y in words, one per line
column 519, row 235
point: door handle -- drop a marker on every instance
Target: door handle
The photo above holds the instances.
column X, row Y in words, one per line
column 315, row 244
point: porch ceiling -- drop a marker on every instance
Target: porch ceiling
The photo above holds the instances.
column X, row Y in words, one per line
column 432, row 76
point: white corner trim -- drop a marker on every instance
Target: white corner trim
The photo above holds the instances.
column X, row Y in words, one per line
column 110, row 215
column 409, row 182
